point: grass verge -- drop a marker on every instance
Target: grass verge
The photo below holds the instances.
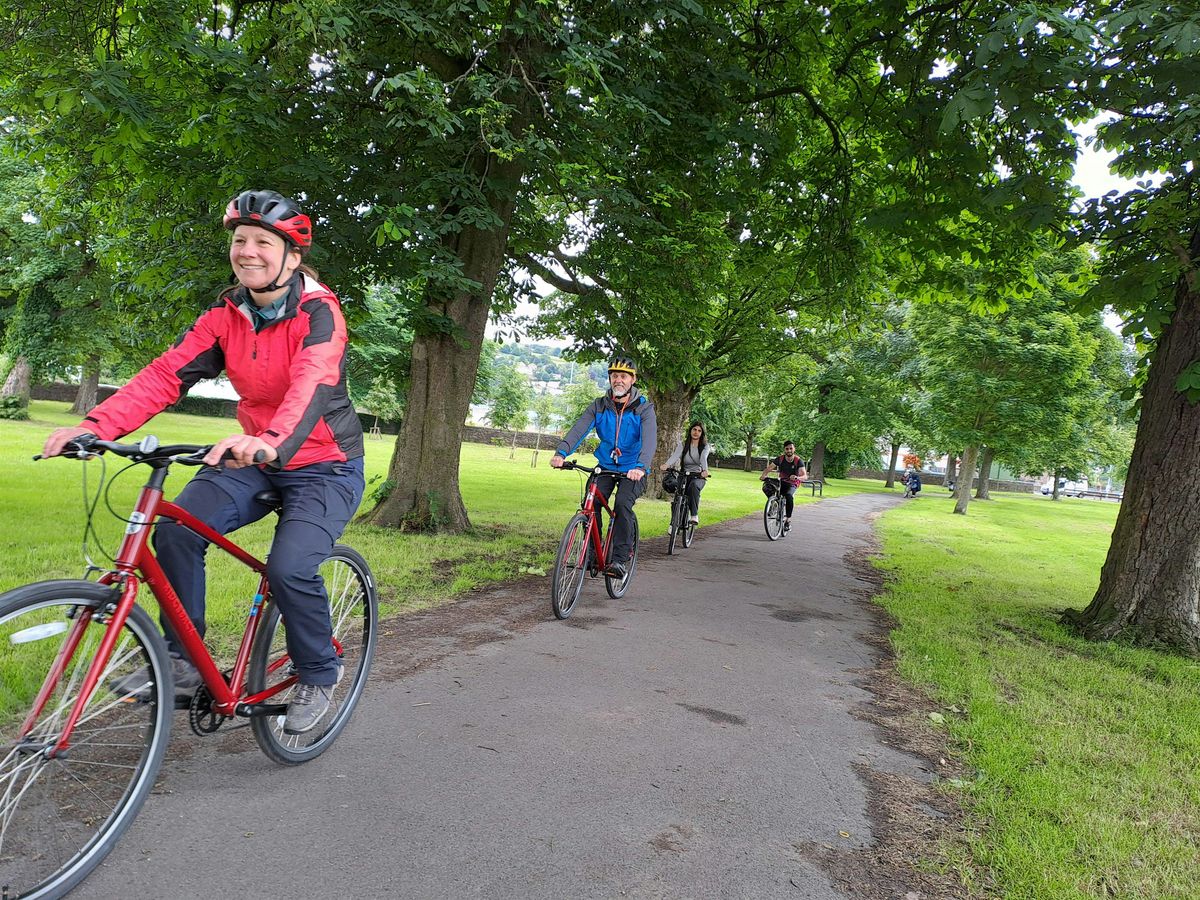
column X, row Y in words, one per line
column 1085, row 756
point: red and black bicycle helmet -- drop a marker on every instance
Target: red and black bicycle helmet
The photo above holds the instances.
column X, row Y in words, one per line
column 272, row 211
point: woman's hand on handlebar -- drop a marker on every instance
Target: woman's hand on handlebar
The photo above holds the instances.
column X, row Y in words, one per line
column 635, row 474
column 556, row 461
column 244, row 450
column 60, row 437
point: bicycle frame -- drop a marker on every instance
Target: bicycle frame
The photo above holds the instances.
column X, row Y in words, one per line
column 592, row 495
column 133, row 556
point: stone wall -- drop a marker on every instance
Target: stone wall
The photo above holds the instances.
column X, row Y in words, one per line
column 479, row 434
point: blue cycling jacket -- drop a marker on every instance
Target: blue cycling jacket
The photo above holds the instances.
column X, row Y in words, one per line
column 628, row 434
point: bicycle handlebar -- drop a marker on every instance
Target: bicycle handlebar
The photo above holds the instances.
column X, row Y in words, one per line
column 689, row 474
column 591, row 470
column 146, row 450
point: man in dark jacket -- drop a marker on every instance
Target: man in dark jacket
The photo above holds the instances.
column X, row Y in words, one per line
column 628, row 432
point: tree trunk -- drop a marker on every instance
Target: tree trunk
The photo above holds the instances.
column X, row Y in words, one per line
column 951, row 469
column 89, row 387
column 816, row 467
column 17, row 382
column 1150, row 585
column 962, row 494
column 512, row 453
column 424, row 468
column 1057, row 478
column 891, row 475
column 671, row 409
column 749, row 453
column 985, row 472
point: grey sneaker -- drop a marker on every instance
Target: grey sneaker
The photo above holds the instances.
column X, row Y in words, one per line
column 308, row 705
column 137, row 684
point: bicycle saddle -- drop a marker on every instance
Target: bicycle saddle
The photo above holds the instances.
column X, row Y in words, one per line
column 269, row 498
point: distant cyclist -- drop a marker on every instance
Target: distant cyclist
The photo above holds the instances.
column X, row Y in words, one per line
column 279, row 336
column 912, row 484
column 791, row 475
column 693, row 454
column 628, row 431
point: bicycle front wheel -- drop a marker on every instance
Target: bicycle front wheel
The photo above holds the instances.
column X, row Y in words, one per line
column 617, row 587
column 570, row 566
column 773, row 518
column 678, row 523
column 354, row 612
column 60, row 816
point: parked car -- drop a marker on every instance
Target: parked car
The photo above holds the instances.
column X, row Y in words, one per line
column 1066, row 488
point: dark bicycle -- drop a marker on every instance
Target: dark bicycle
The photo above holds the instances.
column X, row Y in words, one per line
column 682, row 528
column 775, row 509
column 582, row 551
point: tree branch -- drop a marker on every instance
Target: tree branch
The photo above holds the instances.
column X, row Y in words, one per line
column 834, row 131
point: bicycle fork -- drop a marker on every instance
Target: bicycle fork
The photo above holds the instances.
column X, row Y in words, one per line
column 116, row 614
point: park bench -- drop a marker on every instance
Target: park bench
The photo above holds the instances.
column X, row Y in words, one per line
column 1101, row 495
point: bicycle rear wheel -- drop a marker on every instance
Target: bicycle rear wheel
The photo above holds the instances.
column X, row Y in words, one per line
column 59, row 817
column 570, row 566
column 354, row 610
column 617, row 587
column 689, row 529
column 773, row 518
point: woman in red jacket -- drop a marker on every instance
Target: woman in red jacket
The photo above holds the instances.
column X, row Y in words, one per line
column 279, row 336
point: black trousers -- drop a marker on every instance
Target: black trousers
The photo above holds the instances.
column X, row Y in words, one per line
column 695, row 486
column 627, row 495
column 788, row 492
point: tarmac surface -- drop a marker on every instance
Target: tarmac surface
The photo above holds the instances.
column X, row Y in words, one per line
column 689, row 740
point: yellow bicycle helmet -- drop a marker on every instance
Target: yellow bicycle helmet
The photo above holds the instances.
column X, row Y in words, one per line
column 622, row 364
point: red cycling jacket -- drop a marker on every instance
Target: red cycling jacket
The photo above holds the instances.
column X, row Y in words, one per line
column 290, row 377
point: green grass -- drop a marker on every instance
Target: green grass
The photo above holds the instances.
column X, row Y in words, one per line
column 517, row 515
column 1086, row 756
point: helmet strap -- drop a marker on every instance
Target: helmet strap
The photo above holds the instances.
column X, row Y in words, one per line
column 275, row 285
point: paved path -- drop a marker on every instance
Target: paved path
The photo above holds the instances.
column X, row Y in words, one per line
column 686, row 741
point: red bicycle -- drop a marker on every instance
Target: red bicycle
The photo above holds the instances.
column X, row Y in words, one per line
column 581, row 550
column 81, row 742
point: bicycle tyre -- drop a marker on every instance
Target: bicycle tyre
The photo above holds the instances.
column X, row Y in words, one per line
column 59, row 818
column 773, row 518
column 354, row 610
column 617, row 587
column 570, row 567
column 689, row 530
column 678, row 522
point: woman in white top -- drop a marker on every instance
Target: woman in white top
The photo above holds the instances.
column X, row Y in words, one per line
column 692, row 456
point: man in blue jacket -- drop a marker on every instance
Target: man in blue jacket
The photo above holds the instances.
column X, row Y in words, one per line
column 628, row 432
